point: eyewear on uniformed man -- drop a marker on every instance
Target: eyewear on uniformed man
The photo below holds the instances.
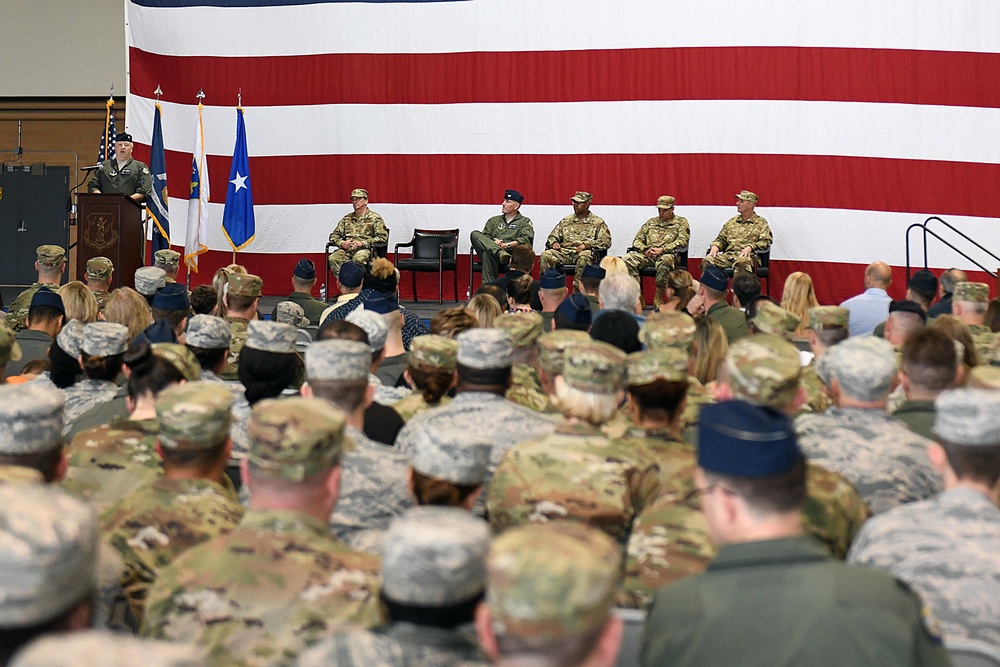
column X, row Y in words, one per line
column 695, row 493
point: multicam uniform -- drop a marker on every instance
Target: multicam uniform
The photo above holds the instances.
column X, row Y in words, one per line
column 526, row 389
column 735, row 235
column 369, row 229
column 655, row 233
column 570, row 232
column 17, row 317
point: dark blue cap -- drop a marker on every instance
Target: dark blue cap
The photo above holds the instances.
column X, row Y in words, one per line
column 382, row 304
column 552, row 279
column 305, row 269
column 907, row 306
column 158, row 332
column 351, row 274
column 575, row 308
column 123, row 136
column 514, row 195
column 594, row 271
column 46, row 297
column 715, row 278
column 172, row 296
column 746, row 440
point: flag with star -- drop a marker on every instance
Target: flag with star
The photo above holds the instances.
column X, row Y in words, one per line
column 197, row 219
column 156, row 206
column 107, row 148
column 237, row 217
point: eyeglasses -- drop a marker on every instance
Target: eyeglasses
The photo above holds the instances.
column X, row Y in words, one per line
column 697, row 493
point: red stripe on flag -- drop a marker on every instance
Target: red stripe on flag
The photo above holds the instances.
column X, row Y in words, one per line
column 693, row 73
column 875, row 184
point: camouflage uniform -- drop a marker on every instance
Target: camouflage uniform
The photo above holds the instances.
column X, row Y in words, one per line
column 240, row 413
column 656, row 233
column 737, row 234
column 100, row 268
column 525, row 386
column 817, row 399
column 983, row 337
column 572, row 231
column 526, row 389
column 369, row 229
column 354, row 649
column 434, row 353
column 148, row 279
column 83, row 396
column 168, row 260
column 413, row 404
column 46, row 255
column 239, row 285
column 108, row 649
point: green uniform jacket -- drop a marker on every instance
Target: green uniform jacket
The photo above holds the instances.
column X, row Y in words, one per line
column 572, row 231
column 312, row 306
column 733, row 320
column 738, row 233
column 368, row 229
column 655, row 233
column 786, row 602
column 133, row 177
column 518, row 229
column 918, row 417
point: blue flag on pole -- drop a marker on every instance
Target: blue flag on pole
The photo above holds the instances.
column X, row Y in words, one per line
column 156, row 207
column 107, row 148
column 237, row 217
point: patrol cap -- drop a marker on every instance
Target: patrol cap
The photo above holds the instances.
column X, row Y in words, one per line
column 775, row 320
column 715, row 278
column 70, row 338
column 668, row 329
column 665, row 202
column 294, row 438
column 382, row 304
column 359, row 192
column 524, row 328
column 746, row 195
column 305, row 269
column 99, row 268
column 434, row 351
column 552, row 580
column 173, row 296
column 193, row 415
column 594, row 367
column 552, row 279
column 208, row 332
column 745, row 440
column 48, row 553
column 984, row 377
column 148, row 279
column 485, row 348
column 648, row 366
column 454, row 456
column 10, row 350
column 908, row 306
column 973, row 292
column 553, row 344
column 104, row 339
column 594, row 271
column 47, row 297
column 180, row 358
column 435, row 557
column 50, row 255
column 289, row 312
column 123, row 136
column 31, row 418
column 822, row 318
column 513, row 195
column 923, row 281
column 351, row 274
column 107, row 649
column 268, row 336
column 166, row 258
column 338, row 360
column 764, row 369
column 968, row 417
column 373, row 324
column 865, row 367
column 244, row 284
column 576, row 309
column 582, row 197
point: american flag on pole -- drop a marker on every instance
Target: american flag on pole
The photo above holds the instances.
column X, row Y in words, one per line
column 851, row 120
column 107, row 148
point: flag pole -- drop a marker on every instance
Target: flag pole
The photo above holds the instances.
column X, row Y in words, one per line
column 239, row 105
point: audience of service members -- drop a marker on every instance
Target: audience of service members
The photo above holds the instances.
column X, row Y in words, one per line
column 515, row 481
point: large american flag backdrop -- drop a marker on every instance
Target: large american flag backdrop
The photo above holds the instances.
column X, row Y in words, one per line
column 851, row 119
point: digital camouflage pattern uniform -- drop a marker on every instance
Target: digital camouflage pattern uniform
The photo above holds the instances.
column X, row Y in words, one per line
column 46, row 255
column 656, row 233
column 98, row 339
column 369, row 229
column 278, row 582
column 571, row 231
column 100, row 268
column 490, row 254
column 737, row 234
column 413, row 404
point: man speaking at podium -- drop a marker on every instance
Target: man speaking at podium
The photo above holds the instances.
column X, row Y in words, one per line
column 122, row 175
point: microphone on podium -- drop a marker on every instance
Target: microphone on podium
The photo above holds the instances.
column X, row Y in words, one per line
column 91, row 167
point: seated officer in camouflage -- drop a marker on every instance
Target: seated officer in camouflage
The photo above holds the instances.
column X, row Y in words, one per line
column 740, row 238
column 356, row 233
column 655, row 243
column 278, row 582
column 50, row 263
column 303, row 282
column 525, row 385
column 576, row 237
column 773, row 595
column 169, row 261
column 433, row 577
column 241, row 299
column 948, row 547
column 98, row 277
column 550, row 592
column 121, row 174
column 502, row 233
column 430, row 370
column 969, row 303
column 189, row 504
column 577, row 472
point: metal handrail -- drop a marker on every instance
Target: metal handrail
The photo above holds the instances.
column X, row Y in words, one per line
column 926, row 231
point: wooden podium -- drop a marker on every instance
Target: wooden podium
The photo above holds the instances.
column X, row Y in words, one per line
column 110, row 226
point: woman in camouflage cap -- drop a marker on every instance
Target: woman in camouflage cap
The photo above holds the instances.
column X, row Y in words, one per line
column 431, row 372
column 270, row 365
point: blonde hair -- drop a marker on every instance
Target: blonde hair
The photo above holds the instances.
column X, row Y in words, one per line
column 485, row 308
column 709, row 349
column 612, row 264
column 79, row 302
column 596, row 409
column 798, row 297
column 127, row 307
column 682, row 283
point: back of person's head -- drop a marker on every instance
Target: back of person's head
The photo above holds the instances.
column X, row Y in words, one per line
column 519, row 289
column 79, row 302
column 342, row 330
column 31, row 422
column 613, row 264
column 753, row 305
column 958, row 331
column 498, row 294
column 922, row 287
column 709, row 349
column 484, row 359
column 764, row 370
column 149, row 373
column 746, row 287
column 618, row 328
column 64, row 355
column 381, row 276
column 657, row 382
column 304, row 275
column 905, row 318
column 878, row 274
column 619, row 291
column 828, row 324
column 203, row 300
column 930, row 360
column 46, row 309
column 448, row 467
column 573, row 313
column 128, row 307
column 103, row 349
column 269, row 361
column 431, row 366
column 967, row 428
column 194, row 419
column 682, row 284
column 592, row 382
column 993, row 315
column 485, row 308
column 522, row 258
column 864, row 367
column 950, row 278
column 337, row 371
column 798, row 296
column 450, row 322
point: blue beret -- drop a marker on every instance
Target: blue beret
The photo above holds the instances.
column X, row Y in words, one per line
column 123, row 136
column 594, row 271
column 746, row 440
column 553, row 279
column 575, row 308
column 305, row 269
column 46, row 297
column 715, row 278
column 351, row 274
column 172, row 296
column 382, row 304
column 514, row 195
